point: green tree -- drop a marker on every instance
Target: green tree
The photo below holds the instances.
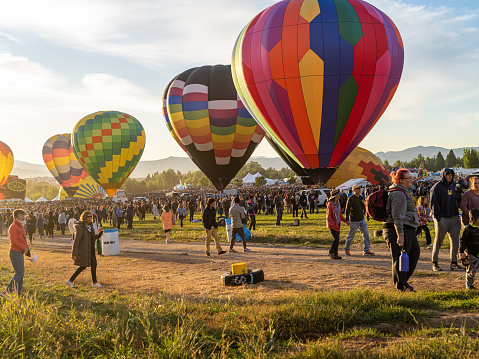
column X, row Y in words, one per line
column 238, row 182
column 440, row 162
column 204, row 182
column 397, row 164
column 451, row 159
column 387, row 165
column 471, row 158
column 260, row 181
column 41, row 189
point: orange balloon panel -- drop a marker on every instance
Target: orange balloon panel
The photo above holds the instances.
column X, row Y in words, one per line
column 360, row 163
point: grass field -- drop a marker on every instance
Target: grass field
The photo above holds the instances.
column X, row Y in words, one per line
column 53, row 321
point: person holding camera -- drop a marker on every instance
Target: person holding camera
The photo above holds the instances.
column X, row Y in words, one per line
column 18, row 247
column 83, row 252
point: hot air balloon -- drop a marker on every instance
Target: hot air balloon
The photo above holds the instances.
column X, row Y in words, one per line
column 88, row 189
column 109, row 145
column 62, row 163
column 317, row 75
column 167, row 118
column 211, row 122
column 6, row 162
column 360, row 163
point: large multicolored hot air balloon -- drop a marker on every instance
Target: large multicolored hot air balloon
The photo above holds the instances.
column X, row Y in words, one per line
column 360, row 163
column 109, row 145
column 317, row 75
column 6, row 162
column 211, row 122
column 62, row 163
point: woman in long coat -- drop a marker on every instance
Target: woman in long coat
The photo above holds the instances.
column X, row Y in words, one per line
column 83, row 252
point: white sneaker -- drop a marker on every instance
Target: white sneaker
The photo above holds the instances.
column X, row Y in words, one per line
column 97, row 285
column 70, row 283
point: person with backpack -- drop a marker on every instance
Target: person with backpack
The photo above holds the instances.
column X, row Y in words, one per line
column 399, row 229
column 237, row 214
column 334, row 217
column 446, row 218
column 119, row 216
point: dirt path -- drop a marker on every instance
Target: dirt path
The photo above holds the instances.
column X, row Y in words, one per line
column 183, row 269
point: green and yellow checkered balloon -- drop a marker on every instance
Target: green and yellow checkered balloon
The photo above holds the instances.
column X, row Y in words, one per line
column 109, row 145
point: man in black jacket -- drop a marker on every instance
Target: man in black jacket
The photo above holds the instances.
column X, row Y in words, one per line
column 211, row 227
column 355, row 214
column 446, row 218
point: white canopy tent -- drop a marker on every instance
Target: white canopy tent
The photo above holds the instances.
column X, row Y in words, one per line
column 27, row 199
column 179, row 186
column 250, row 179
column 41, row 199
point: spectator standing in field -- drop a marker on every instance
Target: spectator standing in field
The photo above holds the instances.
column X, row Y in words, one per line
column 355, row 215
column 129, row 217
column 211, row 227
column 251, row 211
column 303, row 202
column 469, row 248
column 31, row 226
column 237, row 215
column 62, row 221
column 41, row 226
column 446, row 218
column 334, row 217
column 168, row 219
column 181, row 213
column 471, row 198
column 278, row 203
column 424, row 218
column 18, row 247
column 295, row 203
column 399, row 229
column 83, row 251
column 192, row 208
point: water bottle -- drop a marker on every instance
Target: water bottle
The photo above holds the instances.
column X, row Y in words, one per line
column 404, row 262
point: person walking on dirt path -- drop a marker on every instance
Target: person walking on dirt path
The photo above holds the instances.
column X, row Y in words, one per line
column 168, row 219
column 469, row 248
column 355, row 209
column 237, row 215
column 211, row 227
column 399, row 229
column 83, row 251
column 18, row 247
column 334, row 217
column 446, row 218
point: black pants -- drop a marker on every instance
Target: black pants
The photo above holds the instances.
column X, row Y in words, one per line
column 252, row 222
column 426, row 232
column 30, row 234
column 81, row 269
column 411, row 246
column 295, row 210
column 181, row 221
column 130, row 223
column 303, row 212
column 311, row 208
column 333, row 250
column 192, row 212
column 240, row 231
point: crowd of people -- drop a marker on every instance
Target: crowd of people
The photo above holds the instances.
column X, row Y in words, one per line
column 405, row 221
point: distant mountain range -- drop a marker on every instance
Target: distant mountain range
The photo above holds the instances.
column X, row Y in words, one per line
column 410, row 153
column 183, row 164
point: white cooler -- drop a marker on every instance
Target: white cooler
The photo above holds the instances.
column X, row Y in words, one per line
column 229, row 229
column 110, row 242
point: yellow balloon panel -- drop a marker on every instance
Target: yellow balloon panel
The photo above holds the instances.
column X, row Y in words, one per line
column 6, row 162
column 361, row 163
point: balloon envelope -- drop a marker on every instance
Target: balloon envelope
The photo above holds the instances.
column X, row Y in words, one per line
column 88, row 189
column 70, row 173
column 109, row 145
column 6, row 162
column 360, row 163
column 317, row 75
column 213, row 125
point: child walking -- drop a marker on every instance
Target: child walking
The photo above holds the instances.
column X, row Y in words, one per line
column 469, row 247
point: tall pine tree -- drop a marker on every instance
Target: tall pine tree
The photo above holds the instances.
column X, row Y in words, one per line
column 451, row 159
column 440, row 162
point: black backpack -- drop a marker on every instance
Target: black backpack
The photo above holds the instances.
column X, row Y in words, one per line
column 377, row 201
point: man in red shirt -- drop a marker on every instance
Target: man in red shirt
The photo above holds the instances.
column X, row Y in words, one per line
column 18, row 246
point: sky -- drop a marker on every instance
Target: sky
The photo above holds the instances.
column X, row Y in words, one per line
column 62, row 60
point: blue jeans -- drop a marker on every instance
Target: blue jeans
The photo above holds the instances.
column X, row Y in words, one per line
column 353, row 228
column 16, row 257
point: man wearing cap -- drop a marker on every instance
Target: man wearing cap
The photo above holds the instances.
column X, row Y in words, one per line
column 446, row 218
column 355, row 214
